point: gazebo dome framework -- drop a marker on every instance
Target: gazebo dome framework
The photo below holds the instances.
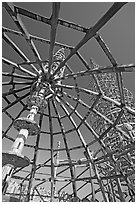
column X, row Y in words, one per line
column 78, row 142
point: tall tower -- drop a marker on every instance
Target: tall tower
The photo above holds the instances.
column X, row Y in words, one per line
column 41, row 91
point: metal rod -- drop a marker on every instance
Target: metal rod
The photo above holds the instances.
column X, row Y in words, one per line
column 67, row 149
column 33, row 37
column 17, row 76
column 51, row 147
column 46, row 20
column 13, row 64
column 92, row 31
column 14, row 102
column 19, row 52
column 54, row 24
column 15, row 16
column 33, row 170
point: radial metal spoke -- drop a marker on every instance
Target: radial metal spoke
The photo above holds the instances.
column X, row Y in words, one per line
column 33, row 37
column 88, row 68
column 32, row 62
column 99, row 114
column 15, row 102
column 92, row 31
column 67, row 149
column 16, row 48
column 89, row 92
column 21, row 102
column 9, row 115
column 73, row 25
column 102, row 159
column 126, row 108
column 13, row 64
column 16, row 83
column 6, row 99
column 54, row 24
column 114, row 63
column 8, row 128
column 87, row 150
column 12, row 91
column 37, row 168
column 80, row 102
column 87, row 125
column 46, row 20
column 70, row 181
column 15, row 16
column 41, row 197
column 73, row 123
column 80, row 89
column 75, row 81
column 32, row 15
column 120, row 86
column 105, row 49
column 50, row 177
column 91, row 108
column 17, row 76
column 52, row 152
column 101, row 70
column 33, row 170
column 11, row 139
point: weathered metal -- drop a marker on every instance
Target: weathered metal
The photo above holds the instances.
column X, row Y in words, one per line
column 54, row 92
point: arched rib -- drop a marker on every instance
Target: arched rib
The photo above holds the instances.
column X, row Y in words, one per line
column 89, row 92
column 87, row 151
column 114, row 63
column 16, row 83
column 54, row 24
column 46, row 20
column 15, row 16
column 92, row 31
column 105, row 49
column 37, row 168
column 19, row 52
column 101, row 70
column 12, row 91
column 70, row 181
column 77, row 88
column 67, row 149
column 14, row 102
column 33, row 37
column 91, row 108
column 88, row 68
column 13, row 64
column 17, row 76
column 8, row 128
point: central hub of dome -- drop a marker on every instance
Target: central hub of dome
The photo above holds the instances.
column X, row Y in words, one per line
column 43, row 89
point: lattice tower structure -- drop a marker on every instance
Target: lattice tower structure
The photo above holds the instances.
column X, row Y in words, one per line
column 115, row 142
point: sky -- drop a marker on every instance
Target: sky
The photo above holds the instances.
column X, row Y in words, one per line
column 118, row 34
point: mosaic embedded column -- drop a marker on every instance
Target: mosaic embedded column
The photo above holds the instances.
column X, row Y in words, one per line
column 40, row 92
column 26, row 127
column 14, row 159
